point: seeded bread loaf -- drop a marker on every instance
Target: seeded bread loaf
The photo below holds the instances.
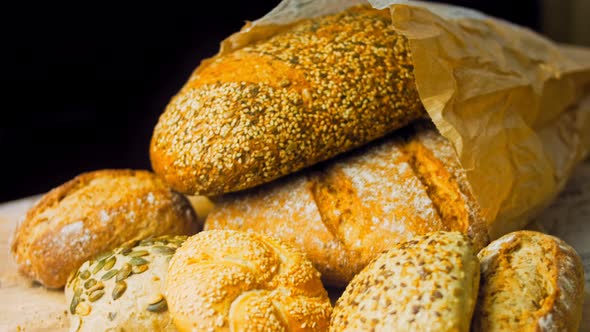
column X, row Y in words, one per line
column 92, row 213
column 427, row 284
column 530, row 281
column 342, row 214
column 317, row 89
column 123, row 290
column 232, row 281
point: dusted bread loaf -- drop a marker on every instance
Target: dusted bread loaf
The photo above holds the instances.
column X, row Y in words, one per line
column 344, row 213
column 93, row 213
column 123, row 290
column 233, row 281
column 321, row 87
column 426, row 284
column 529, row 282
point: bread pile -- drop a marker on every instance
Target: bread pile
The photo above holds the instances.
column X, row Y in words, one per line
column 298, row 139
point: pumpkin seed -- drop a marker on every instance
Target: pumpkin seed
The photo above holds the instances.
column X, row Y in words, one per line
column 83, row 309
column 119, row 289
column 89, row 283
column 109, row 274
column 110, row 263
column 104, row 255
column 137, row 261
column 138, row 253
column 85, row 274
column 74, row 304
column 124, row 272
column 96, row 295
column 159, row 306
column 98, row 266
column 98, row 286
column 125, row 251
column 137, row 269
column 77, row 290
column 164, row 250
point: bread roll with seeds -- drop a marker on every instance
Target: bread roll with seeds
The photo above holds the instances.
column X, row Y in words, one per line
column 530, row 281
column 344, row 213
column 426, row 284
column 123, row 290
column 96, row 212
column 233, row 281
column 287, row 102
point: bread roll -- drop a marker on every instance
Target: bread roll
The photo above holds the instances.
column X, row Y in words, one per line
column 123, row 290
column 426, row 284
column 530, row 281
column 92, row 213
column 344, row 213
column 233, row 281
column 318, row 88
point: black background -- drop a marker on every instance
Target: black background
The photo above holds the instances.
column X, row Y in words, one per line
column 83, row 85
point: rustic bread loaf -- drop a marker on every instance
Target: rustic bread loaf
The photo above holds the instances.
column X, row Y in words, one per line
column 530, row 281
column 426, row 284
column 321, row 87
column 123, row 290
column 92, row 213
column 344, row 213
column 232, row 281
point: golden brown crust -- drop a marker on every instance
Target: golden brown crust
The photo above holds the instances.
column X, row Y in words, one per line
column 232, row 281
column 92, row 213
column 347, row 211
column 426, row 284
column 530, row 281
column 274, row 107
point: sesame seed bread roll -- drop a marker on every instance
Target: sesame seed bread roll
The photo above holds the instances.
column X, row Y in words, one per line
column 343, row 213
column 427, row 284
column 232, row 281
column 123, row 290
column 321, row 87
column 530, row 281
column 93, row 213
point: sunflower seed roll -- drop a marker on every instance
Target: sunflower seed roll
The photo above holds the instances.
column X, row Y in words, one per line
column 317, row 89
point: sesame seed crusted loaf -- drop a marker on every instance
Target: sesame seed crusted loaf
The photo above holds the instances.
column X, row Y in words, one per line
column 232, row 281
column 123, row 290
column 343, row 213
column 426, row 284
column 530, row 281
column 315, row 90
column 95, row 212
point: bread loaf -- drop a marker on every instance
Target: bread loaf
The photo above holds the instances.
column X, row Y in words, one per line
column 345, row 212
column 321, row 87
column 233, row 281
column 123, row 290
column 426, row 284
column 530, row 281
column 93, row 213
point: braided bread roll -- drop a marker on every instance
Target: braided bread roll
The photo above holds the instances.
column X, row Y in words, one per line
column 344, row 213
column 233, row 281
column 316, row 89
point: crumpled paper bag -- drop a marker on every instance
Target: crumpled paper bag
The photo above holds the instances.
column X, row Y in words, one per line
column 515, row 105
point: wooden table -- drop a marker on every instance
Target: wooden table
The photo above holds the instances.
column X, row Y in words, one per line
column 26, row 306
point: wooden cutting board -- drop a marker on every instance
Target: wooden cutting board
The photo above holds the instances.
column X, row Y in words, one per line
column 27, row 306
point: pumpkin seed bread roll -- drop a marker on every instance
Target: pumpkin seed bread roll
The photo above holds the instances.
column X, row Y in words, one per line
column 93, row 213
column 321, row 87
column 123, row 290
column 233, row 281
column 429, row 283
column 530, row 281
column 343, row 213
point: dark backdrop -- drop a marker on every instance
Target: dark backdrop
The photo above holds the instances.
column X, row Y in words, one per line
column 84, row 85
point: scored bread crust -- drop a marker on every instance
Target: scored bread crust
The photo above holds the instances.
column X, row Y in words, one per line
column 92, row 213
column 345, row 212
column 429, row 283
column 281, row 104
column 530, row 281
column 233, row 281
